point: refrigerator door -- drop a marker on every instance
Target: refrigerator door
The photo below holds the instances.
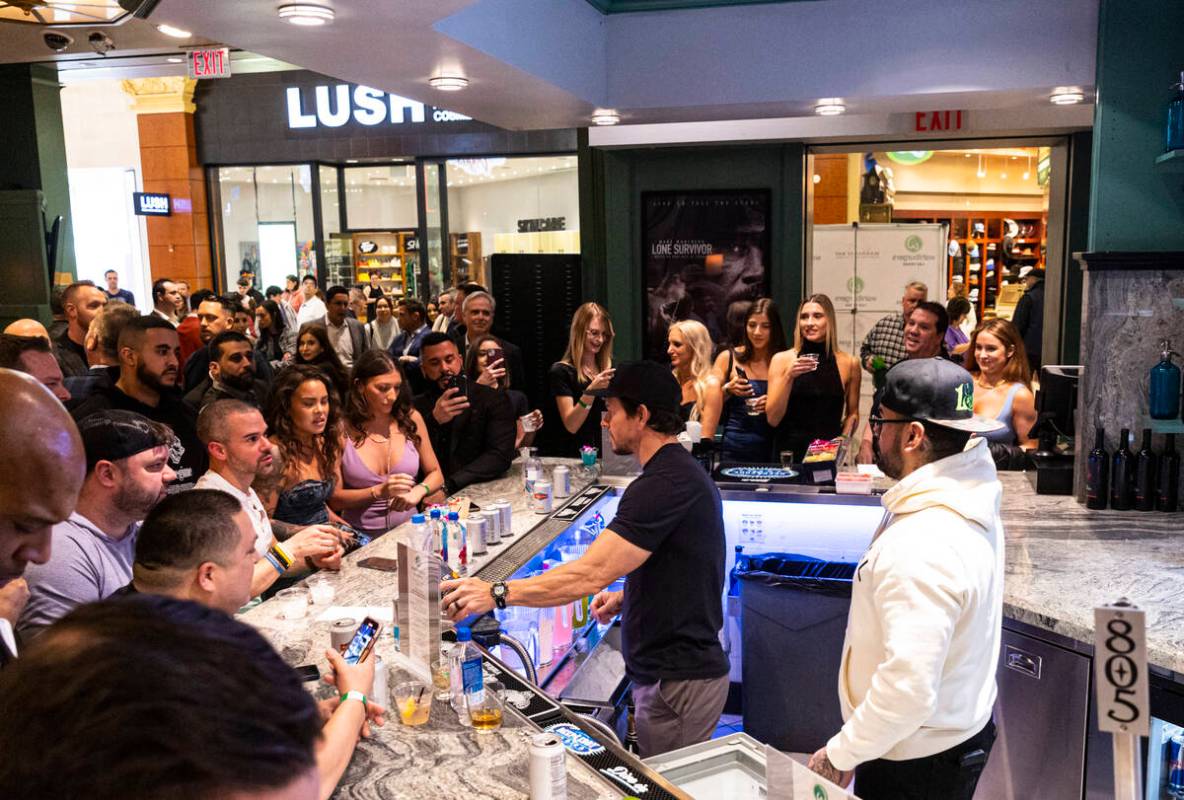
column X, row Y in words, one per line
column 1165, row 761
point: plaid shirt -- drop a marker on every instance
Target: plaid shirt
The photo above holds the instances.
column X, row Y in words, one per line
column 886, row 340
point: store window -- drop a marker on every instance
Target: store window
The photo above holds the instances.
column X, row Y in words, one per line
column 509, row 205
column 267, row 223
column 381, row 197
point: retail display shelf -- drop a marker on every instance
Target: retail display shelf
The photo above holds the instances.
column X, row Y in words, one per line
column 1166, row 425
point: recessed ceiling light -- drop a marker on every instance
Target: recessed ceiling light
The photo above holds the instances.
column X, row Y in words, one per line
column 351, row 161
column 1066, row 97
column 448, row 83
column 830, row 107
column 175, row 60
column 307, row 14
column 605, row 116
column 176, row 33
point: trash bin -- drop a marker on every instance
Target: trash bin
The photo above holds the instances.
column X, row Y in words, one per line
column 793, row 617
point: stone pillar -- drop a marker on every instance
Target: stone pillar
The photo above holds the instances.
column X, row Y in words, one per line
column 178, row 245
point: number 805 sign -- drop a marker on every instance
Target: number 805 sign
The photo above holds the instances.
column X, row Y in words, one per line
column 1120, row 668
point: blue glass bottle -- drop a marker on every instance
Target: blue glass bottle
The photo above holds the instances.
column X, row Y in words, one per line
column 1175, row 130
column 1164, row 395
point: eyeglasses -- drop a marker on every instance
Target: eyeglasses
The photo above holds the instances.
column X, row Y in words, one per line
column 878, row 423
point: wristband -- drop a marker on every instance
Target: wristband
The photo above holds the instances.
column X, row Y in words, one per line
column 282, row 557
column 354, row 694
column 274, row 563
column 426, row 489
column 580, row 402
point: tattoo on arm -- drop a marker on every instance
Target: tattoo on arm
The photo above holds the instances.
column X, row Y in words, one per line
column 285, row 530
column 828, row 771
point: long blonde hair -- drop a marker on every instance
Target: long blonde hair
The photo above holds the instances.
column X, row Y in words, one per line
column 580, row 321
column 701, row 347
column 832, row 324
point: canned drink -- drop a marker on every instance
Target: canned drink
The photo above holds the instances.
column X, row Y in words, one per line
column 379, row 691
column 504, row 508
column 476, row 530
column 548, row 768
column 493, row 527
column 541, row 497
column 561, row 478
column 1176, row 765
column 341, row 632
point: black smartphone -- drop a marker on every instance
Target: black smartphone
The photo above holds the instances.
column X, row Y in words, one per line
column 460, row 383
column 379, row 563
column 363, row 642
column 741, row 373
column 309, row 673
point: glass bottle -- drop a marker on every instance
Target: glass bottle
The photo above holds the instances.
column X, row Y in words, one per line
column 1145, row 486
column 1122, row 475
column 1164, row 395
column 1167, row 497
column 1097, row 480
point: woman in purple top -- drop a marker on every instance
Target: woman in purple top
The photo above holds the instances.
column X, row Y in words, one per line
column 957, row 342
column 387, row 466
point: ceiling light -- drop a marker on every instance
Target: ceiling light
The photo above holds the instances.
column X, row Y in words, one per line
column 605, row 116
column 448, row 83
column 830, row 107
column 1066, row 97
column 175, row 60
column 307, row 14
column 176, row 33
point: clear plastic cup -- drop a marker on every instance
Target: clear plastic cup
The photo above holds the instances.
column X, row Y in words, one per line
column 442, row 678
column 293, row 603
column 321, row 590
column 486, row 707
column 413, row 701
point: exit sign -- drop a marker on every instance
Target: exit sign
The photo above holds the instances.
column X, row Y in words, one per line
column 927, row 121
column 209, row 62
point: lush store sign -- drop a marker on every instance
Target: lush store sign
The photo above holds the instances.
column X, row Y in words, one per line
column 338, row 105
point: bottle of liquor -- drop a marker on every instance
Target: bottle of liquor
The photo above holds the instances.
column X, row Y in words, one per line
column 1122, row 475
column 1145, row 486
column 1097, row 480
column 1167, row 498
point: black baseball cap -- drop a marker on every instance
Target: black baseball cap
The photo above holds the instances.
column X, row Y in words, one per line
column 645, row 382
column 935, row 390
column 114, row 434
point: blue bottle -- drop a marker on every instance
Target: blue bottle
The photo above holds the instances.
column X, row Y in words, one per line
column 1175, row 129
column 1164, row 396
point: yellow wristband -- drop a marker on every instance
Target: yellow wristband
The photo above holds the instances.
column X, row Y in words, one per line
column 283, row 555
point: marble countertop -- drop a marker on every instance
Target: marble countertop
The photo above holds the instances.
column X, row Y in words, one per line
column 1064, row 559
column 441, row 758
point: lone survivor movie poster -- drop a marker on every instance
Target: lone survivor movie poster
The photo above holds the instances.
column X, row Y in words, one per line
column 704, row 252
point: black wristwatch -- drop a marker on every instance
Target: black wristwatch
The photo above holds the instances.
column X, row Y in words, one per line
column 499, row 591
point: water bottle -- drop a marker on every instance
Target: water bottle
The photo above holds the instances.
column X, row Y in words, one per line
column 437, row 540
column 465, row 672
column 458, row 553
column 421, row 532
column 734, row 575
column 532, row 469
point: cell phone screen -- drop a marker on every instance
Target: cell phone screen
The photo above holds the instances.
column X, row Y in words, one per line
column 363, row 640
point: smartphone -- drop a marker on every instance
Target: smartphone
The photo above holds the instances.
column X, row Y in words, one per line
column 363, row 642
column 460, row 383
column 494, row 355
column 309, row 673
column 741, row 373
column 379, row 563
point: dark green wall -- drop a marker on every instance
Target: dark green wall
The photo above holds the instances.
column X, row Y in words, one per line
column 1077, row 240
column 1136, row 204
column 611, row 183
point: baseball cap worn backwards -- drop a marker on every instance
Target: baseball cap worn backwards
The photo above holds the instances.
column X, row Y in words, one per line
column 113, row 434
column 935, row 390
column 645, row 382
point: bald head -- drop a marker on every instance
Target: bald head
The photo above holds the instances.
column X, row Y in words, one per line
column 27, row 327
column 41, row 473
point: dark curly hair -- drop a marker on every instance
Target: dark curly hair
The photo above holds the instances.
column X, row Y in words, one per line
column 472, row 371
column 279, row 419
column 327, row 361
column 370, row 365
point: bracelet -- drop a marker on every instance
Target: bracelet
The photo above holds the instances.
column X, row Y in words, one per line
column 374, row 492
column 354, row 694
column 426, row 489
column 580, row 402
column 282, row 559
column 274, row 562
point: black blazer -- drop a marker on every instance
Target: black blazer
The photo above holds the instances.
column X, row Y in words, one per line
column 476, row 446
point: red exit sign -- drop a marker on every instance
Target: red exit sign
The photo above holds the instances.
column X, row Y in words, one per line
column 926, row 121
column 209, row 62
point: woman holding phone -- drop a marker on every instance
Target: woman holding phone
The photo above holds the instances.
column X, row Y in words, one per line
column 744, row 373
column 586, row 366
column 486, row 364
column 385, row 450
column 813, row 388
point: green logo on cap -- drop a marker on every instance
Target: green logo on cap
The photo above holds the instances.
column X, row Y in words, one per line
column 965, row 397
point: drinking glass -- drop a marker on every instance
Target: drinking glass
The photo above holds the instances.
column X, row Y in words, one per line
column 486, row 707
column 787, row 461
column 442, row 678
column 321, row 590
column 414, row 703
column 750, row 405
column 528, row 425
column 293, row 603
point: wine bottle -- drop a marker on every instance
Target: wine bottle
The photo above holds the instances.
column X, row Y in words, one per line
column 1097, row 480
column 1167, row 497
column 1122, row 475
column 1145, row 486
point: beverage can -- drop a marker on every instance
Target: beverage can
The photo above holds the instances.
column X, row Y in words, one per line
column 541, row 497
column 341, row 632
column 561, row 480
column 493, row 527
column 548, row 768
column 504, row 508
column 1176, row 765
column 476, row 532
column 379, row 692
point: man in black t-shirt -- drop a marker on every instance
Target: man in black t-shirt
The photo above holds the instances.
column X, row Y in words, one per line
column 149, row 366
column 668, row 539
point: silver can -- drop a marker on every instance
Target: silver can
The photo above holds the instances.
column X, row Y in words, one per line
column 379, row 692
column 493, row 527
column 476, row 531
column 548, row 768
column 504, row 509
column 341, row 632
column 542, row 498
column 561, row 479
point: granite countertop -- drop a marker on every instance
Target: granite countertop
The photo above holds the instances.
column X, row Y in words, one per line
column 1064, row 559
column 441, row 758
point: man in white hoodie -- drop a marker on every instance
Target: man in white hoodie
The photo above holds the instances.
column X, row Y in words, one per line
column 917, row 680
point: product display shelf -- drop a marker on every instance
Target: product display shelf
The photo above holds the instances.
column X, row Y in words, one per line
column 389, row 253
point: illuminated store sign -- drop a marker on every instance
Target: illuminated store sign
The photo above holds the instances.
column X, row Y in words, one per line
column 335, row 106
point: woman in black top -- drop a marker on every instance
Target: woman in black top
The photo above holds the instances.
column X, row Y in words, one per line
column 313, row 348
column 813, row 388
column 277, row 342
column 372, row 293
column 486, row 364
column 744, row 372
column 586, row 366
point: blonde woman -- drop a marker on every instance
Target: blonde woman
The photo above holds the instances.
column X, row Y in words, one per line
column 689, row 347
column 586, row 366
column 813, row 388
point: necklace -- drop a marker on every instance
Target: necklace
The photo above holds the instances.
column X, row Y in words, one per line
column 979, row 380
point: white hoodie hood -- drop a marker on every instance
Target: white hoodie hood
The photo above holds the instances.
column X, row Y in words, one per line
column 918, row 669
